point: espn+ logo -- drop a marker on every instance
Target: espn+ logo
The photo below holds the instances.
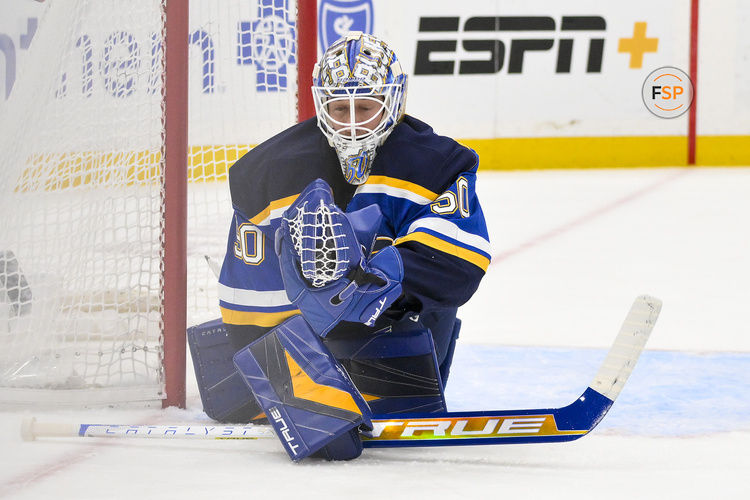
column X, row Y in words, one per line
column 667, row 92
column 439, row 54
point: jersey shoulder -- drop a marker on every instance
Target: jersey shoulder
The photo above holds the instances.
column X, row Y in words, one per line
column 281, row 167
column 415, row 153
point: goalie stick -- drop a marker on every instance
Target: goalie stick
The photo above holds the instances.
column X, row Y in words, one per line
column 444, row 429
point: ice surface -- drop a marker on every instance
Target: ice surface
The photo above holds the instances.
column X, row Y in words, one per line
column 573, row 249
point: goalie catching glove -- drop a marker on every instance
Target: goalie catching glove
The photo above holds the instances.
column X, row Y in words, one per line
column 324, row 266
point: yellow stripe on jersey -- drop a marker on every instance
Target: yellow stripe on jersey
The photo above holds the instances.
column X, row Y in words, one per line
column 429, row 240
column 274, row 205
column 401, row 184
column 306, row 388
column 255, row 318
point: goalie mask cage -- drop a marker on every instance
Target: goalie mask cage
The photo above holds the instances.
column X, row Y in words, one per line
column 110, row 201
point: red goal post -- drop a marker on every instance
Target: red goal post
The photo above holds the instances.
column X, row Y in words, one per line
column 176, row 146
column 176, row 32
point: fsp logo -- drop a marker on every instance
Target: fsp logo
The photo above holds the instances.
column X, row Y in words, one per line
column 667, row 92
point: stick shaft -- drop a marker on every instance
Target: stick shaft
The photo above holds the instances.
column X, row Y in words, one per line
column 33, row 429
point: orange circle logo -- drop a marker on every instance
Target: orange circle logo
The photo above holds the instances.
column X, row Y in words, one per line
column 667, row 92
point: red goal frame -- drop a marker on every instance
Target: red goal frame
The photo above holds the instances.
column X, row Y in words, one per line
column 175, row 87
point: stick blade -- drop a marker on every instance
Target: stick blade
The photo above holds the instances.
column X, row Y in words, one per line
column 627, row 347
column 31, row 429
column 27, row 429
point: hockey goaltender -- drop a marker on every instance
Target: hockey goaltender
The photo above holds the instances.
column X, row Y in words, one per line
column 355, row 237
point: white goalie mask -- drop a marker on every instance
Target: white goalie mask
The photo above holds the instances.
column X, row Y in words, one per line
column 359, row 92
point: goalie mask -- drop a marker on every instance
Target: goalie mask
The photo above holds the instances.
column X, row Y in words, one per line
column 359, row 92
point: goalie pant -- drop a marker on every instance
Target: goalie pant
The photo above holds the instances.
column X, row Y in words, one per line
column 397, row 372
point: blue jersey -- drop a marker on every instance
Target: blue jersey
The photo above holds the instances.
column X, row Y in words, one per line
column 424, row 185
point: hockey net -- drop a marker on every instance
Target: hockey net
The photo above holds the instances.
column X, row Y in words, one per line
column 82, row 186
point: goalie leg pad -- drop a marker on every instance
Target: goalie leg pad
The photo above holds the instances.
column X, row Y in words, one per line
column 396, row 371
column 224, row 394
column 309, row 399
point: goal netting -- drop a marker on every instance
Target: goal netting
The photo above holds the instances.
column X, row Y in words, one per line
column 82, row 186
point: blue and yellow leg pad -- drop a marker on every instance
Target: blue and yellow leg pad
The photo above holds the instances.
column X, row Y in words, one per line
column 308, row 398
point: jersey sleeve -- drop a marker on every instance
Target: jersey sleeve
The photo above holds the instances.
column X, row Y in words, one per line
column 445, row 246
column 442, row 237
column 251, row 291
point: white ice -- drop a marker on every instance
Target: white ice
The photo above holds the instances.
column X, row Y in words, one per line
column 572, row 249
